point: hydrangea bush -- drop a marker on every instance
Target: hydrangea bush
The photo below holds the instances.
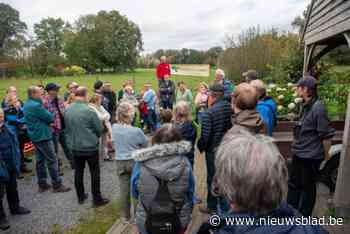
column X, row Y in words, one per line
column 288, row 104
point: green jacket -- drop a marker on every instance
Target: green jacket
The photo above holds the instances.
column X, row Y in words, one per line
column 83, row 127
column 38, row 120
column 185, row 96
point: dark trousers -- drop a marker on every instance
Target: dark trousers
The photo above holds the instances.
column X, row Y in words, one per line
column 22, row 139
column 92, row 159
column 302, row 184
column 10, row 188
column 152, row 120
column 210, row 160
column 46, row 157
column 60, row 138
column 166, row 104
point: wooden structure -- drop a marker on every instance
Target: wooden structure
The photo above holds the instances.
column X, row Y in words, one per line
column 327, row 26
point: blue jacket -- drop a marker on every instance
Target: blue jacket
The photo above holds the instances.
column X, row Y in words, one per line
column 38, row 121
column 268, row 112
column 14, row 118
column 189, row 133
column 229, row 88
column 15, row 156
column 284, row 212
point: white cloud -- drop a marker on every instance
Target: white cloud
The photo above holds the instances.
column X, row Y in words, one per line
column 198, row 24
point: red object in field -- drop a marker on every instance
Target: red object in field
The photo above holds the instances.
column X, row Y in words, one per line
column 28, row 147
column 163, row 69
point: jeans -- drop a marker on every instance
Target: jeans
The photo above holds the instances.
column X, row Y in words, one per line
column 10, row 188
column 166, row 104
column 302, row 184
column 46, row 157
column 210, row 160
column 60, row 138
column 152, row 120
column 92, row 159
column 124, row 170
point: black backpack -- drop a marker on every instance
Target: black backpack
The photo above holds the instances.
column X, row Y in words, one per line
column 162, row 214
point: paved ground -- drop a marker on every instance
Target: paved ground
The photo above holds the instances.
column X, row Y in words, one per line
column 62, row 210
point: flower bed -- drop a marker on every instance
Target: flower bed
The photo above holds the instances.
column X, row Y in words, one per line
column 333, row 95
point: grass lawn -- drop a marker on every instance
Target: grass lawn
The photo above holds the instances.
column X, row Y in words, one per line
column 140, row 76
column 98, row 221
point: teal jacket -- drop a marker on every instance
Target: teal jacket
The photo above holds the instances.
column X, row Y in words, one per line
column 38, row 120
column 83, row 127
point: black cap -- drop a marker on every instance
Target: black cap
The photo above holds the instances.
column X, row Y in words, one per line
column 52, row 86
column 250, row 75
column 308, row 82
column 217, row 88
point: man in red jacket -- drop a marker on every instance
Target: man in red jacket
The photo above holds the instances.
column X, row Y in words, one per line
column 163, row 69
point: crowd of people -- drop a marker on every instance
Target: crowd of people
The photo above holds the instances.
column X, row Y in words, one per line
column 231, row 126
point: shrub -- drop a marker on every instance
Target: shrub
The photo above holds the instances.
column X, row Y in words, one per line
column 74, row 71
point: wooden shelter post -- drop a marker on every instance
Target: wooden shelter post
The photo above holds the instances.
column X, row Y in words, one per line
column 342, row 192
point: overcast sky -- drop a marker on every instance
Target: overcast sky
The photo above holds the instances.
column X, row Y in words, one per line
column 198, row 24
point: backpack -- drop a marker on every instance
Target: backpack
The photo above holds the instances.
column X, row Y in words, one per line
column 162, row 217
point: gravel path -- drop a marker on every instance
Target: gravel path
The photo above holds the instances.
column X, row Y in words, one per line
column 62, row 209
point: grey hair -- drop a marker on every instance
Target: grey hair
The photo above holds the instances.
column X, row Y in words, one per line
column 125, row 113
column 251, row 173
column 220, row 72
column 182, row 112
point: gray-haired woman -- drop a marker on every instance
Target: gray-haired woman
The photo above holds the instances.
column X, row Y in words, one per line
column 253, row 179
column 126, row 139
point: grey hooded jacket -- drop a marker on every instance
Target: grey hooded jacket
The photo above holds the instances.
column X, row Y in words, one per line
column 167, row 162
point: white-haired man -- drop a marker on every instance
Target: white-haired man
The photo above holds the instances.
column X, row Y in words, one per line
column 229, row 87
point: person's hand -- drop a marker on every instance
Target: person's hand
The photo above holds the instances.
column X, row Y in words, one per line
column 327, row 156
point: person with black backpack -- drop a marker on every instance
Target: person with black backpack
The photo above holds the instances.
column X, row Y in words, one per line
column 163, row 184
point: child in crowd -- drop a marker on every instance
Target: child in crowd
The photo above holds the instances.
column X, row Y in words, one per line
column 150, row 98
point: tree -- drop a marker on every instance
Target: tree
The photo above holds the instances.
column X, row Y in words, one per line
column 49, row 34
column 299, row 21
column 105, row 40
column 11, row 26
column 253, row 49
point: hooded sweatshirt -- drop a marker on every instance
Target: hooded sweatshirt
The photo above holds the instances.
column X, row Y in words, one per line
column 167, row 162
column 246, row 120
column 267, row 109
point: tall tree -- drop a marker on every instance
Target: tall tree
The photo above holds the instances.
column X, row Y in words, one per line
column 49, row 34
column 105, row 40
column 11, row 27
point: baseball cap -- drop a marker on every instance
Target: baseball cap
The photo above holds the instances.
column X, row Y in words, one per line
column 308, row 82
column 250, row 75
column 217, row 88
column 52, row 86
